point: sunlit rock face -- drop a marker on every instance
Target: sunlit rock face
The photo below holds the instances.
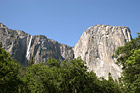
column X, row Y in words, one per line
column 97, row 45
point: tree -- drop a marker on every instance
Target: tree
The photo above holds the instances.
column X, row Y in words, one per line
column 9, row 78
column 129, row 58
column 109, row 86
column 67, row 77
column 53, row 62
column 76, row 79
column 40, row 78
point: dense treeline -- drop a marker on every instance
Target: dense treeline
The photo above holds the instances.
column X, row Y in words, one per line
column 70, row 76
column 67, row 77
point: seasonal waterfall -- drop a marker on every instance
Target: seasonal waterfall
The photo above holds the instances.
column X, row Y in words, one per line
column 28, row 49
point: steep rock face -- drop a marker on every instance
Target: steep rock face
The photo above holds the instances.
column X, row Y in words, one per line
column 97, row 45
column 43, row 48
column 17, row 43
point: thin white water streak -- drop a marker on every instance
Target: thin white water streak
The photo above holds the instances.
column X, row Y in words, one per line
column 28, row 49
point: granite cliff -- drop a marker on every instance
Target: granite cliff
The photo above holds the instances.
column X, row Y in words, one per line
column 23, row 46
column 96, row 46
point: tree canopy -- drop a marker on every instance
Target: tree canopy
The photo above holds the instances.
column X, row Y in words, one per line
column 9, row 76
column 129, row 58
column 70, row 76
column 53, row 77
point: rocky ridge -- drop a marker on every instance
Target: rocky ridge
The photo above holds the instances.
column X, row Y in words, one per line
column 96, row 46
column 41, row 48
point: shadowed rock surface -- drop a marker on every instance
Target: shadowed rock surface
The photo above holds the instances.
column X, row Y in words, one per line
column 42, row 48
column 96, row 46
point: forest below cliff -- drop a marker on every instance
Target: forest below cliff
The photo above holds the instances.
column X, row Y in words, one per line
column 70, row 76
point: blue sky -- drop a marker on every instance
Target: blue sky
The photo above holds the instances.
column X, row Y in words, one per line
column 66, row 20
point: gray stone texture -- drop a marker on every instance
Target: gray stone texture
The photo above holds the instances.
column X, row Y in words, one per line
column 16, row 43
column 96, row 46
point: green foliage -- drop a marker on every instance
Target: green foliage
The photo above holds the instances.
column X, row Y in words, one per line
column 53, row 63
column 129, row 57
column 39, row 79
column 109, row 86
column 75, row 77
column 31, row 62
column 54, row 77
column 9, row 78
column 67, row 77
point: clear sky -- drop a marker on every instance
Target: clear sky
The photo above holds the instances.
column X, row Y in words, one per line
column 66, row 20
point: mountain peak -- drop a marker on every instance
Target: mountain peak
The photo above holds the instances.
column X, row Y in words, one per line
column 104, row 26
column 2, row 25
column 97, row 45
